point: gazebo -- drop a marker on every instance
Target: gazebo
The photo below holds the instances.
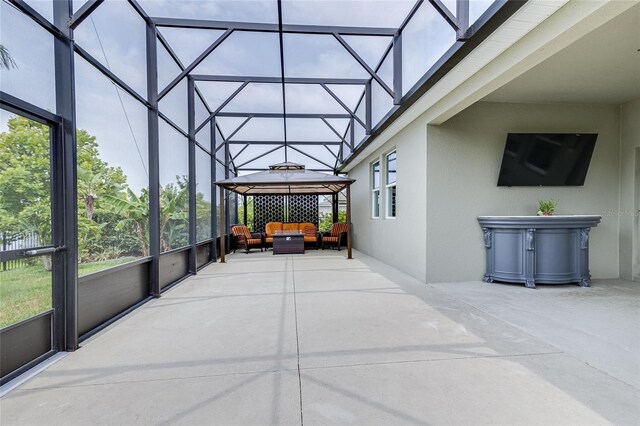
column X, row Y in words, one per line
column 286, row 179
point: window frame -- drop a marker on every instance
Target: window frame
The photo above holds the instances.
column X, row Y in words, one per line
column 375, row 191
column 389, row 186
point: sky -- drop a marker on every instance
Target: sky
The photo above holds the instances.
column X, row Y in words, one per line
column 115, row 35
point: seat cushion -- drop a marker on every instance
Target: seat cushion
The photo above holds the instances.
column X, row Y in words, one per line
column 290, row 227
column 310, row 233
column 269, row 240
column 271, row 227
column 254, row 241
column 330, row 239
column 303, row 225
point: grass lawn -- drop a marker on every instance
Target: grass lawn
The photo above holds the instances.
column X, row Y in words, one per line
column 26, row 291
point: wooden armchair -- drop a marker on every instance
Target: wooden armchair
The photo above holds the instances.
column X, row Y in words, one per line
column 246, row 239
column 337, row 236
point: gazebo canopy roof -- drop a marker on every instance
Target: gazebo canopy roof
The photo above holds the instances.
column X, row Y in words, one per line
column 284, row 179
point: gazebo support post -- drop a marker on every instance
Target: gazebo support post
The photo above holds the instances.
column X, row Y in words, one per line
column 349, row 255
column 223, row 226
column 244, row 203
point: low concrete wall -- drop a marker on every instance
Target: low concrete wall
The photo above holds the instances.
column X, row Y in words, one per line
column 464, row 156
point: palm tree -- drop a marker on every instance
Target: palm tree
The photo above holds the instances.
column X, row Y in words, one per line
column 174, row 215
column 6, row 61
column 90, row 184
column 135, row 211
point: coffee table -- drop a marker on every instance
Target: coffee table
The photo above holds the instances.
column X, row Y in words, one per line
column 288, row 242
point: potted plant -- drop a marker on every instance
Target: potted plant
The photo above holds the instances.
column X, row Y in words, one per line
column 547, row 207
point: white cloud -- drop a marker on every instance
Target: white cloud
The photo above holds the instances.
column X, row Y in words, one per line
column 100, row 113
column 309, row 129
column 370, row 49
column 174, row 154
column 257, row 97
column 262, row 129
column 119, row 30
column 310, row 99
column 367, row 13
column 216, row 92
column 427, row 37
column 189, row 43
column 174, row 105
column 319, row 56
column 229, row 124
column 244, row 53
column 32, row 49
column 224, row 10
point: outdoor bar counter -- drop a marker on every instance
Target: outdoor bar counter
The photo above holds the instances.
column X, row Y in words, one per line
column 538, row 249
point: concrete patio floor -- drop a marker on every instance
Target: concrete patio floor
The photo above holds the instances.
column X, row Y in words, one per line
column 318, row 339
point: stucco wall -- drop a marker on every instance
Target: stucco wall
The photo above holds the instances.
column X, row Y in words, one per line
column 401, row 241
column 629, row 180
column 464, row 156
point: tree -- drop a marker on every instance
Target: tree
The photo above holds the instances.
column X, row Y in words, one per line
column 6, row 60
column 203, row 217
column 36, row 219
column 89, row 237
column 326, row 220
column 95, row 177
column 174, row 214
column 25, row 198
column 135, row 212
column 249, row 208
column 92, row 185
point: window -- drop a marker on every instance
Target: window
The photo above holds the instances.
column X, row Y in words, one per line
column 375, row 192
column 391, row 184
column 113, row 172
column 203, row 195
column 174, row 188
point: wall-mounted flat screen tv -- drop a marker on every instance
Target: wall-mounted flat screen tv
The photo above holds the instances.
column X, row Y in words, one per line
column 546, row 159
